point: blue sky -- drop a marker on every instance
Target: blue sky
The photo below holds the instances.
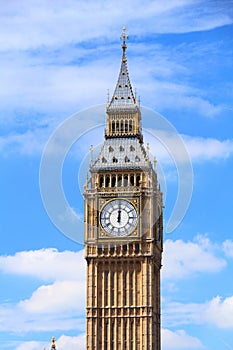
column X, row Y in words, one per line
column 59, row 58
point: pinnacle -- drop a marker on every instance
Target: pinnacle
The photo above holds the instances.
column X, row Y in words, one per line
column 123, row 96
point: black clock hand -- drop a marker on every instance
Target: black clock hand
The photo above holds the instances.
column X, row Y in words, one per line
column 119, row 216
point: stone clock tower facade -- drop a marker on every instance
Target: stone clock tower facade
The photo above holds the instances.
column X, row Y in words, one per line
column 123, row 232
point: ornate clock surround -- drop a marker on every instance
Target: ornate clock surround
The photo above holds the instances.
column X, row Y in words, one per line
column 104, row 237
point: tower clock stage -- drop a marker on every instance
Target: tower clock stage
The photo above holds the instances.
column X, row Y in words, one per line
column 123, row 221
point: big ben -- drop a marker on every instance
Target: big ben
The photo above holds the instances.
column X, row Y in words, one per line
column 123, row 231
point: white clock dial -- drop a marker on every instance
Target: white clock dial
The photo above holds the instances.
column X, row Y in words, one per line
column 118, row 217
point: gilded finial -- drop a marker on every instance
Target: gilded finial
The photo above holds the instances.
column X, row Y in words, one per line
column 53, row 345
column 124, row 37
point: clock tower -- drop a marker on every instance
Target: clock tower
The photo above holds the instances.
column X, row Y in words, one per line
column 123, row 231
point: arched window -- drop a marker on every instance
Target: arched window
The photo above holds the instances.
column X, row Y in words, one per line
column 130, row 126
column 136, row 248
column 113, row 181
column 126, row 125
column 114, row 160
column 138, row 180
column 119, row 181
column 125, row 180
column 132, row 180
column 101, row 181
column 126, row 159
column 107, row 181
column 117, row 126
column 113, row 126
column 122, row 126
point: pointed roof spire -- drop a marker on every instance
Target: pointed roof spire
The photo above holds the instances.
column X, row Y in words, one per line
column 53, row 345
column 123, row 96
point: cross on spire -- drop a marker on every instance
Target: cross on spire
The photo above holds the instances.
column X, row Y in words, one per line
column 124, row 37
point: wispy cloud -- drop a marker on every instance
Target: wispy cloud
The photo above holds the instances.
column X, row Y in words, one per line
column 56, row 305
column 186, row 259
column 46, row 264
column 216, row 312
column 27, row 26
column 57, row 298
column 219, row 311
column 200, row 149
column 228, row 248
column 179, row 340
column 48, row 59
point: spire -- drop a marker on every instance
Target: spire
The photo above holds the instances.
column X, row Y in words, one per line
column 123, row 96
column 53, row 345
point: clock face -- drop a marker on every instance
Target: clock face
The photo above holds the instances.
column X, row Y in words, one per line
column 118, row 217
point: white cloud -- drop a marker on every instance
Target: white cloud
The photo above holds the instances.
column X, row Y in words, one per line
column 58, row 73
column 28, row 27
column 72, row 343
column 61, row 296
column 199, row 149
column 166, row 93
column 176, row 313
column 46, row 264
column 185, row 259
column 219, row 311
column 228, row 248
column 29, row 142
column 179, row 340
column 59, row 83
column 215, row 312
column 26, row 316
column 63, row 342
column 59, row 305
column 208, row 148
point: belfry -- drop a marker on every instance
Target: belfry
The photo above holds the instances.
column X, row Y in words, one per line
column 123, row 218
